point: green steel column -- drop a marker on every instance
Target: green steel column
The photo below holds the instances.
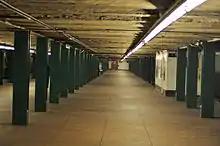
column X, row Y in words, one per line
column 139, row 67
column 90, row 67
column 191, row 77
column 144, row 68
column 87, row 68
column 132, row 66
column 77, row 70
column 21, row 78
column 207, row 81
column 48, row 69
column 181, row 75
column 135, row 66
column 55, row 72
column 33, row 65
column 41, row 75
column 80, row 68
column 129, row 63
column 93, row 67
column 83, row 68
column 72, row 70
column 97, row 66
column 153, row 62
column 99, row 60
column 10, row 65
column 105, row 64
column 2, row 66
column 148, row 69
column 64, row 70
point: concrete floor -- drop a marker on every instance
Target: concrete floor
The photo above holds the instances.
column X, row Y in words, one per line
column 116, row 109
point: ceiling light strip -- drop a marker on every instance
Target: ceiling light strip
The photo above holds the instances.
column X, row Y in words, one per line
column 180, row 11
column 3, row 47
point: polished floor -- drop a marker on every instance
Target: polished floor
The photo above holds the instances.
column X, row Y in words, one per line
column 116, row 109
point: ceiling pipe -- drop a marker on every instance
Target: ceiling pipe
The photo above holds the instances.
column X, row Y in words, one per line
column 29, row 17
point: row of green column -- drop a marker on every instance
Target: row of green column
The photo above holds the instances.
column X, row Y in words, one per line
column 144, row 68
column 69, row 69
column 2, row 64
column 187, row 75
column 105, row 64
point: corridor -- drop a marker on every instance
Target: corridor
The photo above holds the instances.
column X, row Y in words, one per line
column 116, row 109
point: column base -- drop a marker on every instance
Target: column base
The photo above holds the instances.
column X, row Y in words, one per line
column 41, row 109
column 72, row 90
column 64, row 93
column 191, row 104
column 77, row 88
column 20, row 123
column 54, row 99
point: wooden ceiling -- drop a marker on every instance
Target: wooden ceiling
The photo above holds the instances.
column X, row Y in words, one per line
column 109, row 27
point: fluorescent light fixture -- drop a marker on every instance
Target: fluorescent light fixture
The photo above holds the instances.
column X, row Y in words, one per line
column 2, row 47
column 180, row 11
column 32, row 51
column 67, row 46
column 134, row 50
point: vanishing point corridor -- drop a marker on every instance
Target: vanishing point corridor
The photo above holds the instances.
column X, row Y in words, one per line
column 109, row 73
column 116, row 109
